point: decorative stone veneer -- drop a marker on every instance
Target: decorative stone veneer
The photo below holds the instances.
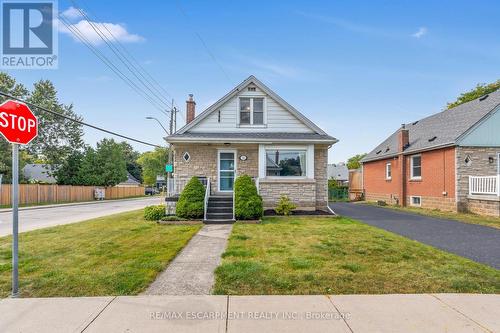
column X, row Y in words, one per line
column 307, row 194
column 479, row 166
column 484, row 206
column 301, row 192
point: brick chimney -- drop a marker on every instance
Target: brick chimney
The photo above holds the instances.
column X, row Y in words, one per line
column 190, row 109
column 403, row 138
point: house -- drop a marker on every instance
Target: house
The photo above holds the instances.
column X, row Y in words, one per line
column 253, row 131
column 448, row 161
column 39, row 173
column 130, row 182
column 338, row 172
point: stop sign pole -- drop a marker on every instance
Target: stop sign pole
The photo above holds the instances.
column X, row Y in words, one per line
column 19, row 126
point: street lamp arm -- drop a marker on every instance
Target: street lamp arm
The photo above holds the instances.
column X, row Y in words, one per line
column 159, row 123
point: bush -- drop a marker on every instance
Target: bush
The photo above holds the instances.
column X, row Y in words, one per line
column 191, row 201
column 154, row 213
column 248, row 203
column 285, row 206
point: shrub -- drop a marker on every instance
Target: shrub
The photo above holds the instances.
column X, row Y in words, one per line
column 285, row 206
column 191, row 201
column 154, row 213
column 247, row 202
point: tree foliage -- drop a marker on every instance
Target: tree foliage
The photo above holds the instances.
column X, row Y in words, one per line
column 353, row 162
column 131, row 157
column 153, row 164
column 480, row 90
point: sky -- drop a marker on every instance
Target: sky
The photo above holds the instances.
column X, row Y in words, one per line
column 357, row 69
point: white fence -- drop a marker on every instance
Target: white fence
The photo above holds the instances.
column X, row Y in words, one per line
column 175, row 185
column 487, row 185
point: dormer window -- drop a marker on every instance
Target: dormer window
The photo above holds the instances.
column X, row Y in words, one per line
column 251, row 111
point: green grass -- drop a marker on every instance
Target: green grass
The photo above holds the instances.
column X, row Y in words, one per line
column 115, row 255
column 488, row 221
column 300, row 255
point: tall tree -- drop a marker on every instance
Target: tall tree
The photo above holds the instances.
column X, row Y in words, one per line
column 57, row 137
column 68, row 172
column 353, row 162
column 8, row 85
column 131, row 156
column 153, row 164
column 478, row 91
column 111, row 160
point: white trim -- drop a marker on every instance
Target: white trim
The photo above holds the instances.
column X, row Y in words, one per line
column 264, row 112
column 388, row 166
column 252, row 79
column 262, row 161
column 219, row 151
column 411, row 167
column 411, row 201
column 498, row 163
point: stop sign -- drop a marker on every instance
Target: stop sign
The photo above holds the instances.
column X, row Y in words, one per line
column 17, row 123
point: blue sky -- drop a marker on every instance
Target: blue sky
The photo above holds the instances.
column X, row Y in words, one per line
column 357, row 69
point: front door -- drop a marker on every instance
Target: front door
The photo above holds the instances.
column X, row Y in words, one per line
column 227, row 167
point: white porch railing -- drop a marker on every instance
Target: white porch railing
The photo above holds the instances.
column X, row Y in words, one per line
column 485, row 185
column 175, row 185
column 207, row 197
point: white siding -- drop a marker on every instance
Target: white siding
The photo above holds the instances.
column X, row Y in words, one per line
column 278, row 118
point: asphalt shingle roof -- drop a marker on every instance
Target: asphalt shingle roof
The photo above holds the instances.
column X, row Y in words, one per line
column 255, row 136
column 440, row 129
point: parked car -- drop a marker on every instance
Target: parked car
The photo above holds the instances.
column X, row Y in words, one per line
column 151, row 190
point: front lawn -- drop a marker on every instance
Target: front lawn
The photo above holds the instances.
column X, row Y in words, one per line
column 114, row 255
column 300, row 255
column 488, row 221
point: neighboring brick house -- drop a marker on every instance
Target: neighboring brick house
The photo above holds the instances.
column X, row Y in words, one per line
column 448, row 161
column 253, row 131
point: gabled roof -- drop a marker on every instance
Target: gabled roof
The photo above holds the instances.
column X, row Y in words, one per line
column 439, row 130
column 250, row 80
column 131, row 180
column 338, row 171
column 40, row 172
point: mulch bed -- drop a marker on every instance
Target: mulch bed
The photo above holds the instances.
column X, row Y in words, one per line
column 271, row 212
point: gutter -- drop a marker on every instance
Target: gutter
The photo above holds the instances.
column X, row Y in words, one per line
column 239, row 140
column 411, row 152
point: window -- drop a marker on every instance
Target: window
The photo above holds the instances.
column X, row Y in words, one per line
column 415, row 201
column 252, row 111
column 416, row 167
column 388, row 171
column 286, row 163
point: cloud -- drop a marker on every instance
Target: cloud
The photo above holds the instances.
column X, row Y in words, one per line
column 72, row 13
column 420, row 32
column 88, row 29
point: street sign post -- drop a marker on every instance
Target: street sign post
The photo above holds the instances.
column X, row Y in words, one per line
column 19, row 126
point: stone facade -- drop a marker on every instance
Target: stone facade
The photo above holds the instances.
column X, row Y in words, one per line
column 484, row 206
column 307, row 194
column 479, row 165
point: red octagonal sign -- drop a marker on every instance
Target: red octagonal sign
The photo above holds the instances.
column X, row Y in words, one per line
column 17, row 123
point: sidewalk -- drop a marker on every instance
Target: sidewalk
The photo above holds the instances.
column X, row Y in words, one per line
column 343, row 313
column 192, row 271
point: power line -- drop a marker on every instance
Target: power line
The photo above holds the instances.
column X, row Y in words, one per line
column 78, row 34
column 205, row 46
column 121, row 57
column 78, row 121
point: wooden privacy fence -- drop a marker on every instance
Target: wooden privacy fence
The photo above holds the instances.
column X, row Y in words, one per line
column 40, row 194
column 355, row 184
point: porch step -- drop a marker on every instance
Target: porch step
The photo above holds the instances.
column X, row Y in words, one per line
column 221, row 198
column 220, row 216
column 220, row 209
column 231, row 221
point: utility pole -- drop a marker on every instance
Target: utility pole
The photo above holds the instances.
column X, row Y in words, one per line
column 171, row 131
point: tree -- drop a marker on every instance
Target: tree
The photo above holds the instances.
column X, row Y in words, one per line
column 131, row 157
column 57, row 137
column 9, row 86
column 111, row 160
column 68, row 171
column 480, row 90
column 153, row 164
column 353, row 162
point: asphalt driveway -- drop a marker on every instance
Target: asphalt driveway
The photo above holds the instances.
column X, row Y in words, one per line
column 476, row 242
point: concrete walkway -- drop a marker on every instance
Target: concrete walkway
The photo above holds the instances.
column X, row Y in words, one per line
column 345, row 313
column 476, row 242
column 192, row 271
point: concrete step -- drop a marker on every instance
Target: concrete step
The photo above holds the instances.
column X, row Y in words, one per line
column 219, row 216
column 223, row 209
column 220, row 198
column 228, row 221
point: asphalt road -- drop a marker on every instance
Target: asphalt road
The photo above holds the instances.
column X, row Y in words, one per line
column 476, row 242
column 32, row 219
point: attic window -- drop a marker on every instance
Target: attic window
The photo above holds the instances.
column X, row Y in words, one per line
column 251, row 111
column 251, row 89
column 433, row 138
column 186, row 156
